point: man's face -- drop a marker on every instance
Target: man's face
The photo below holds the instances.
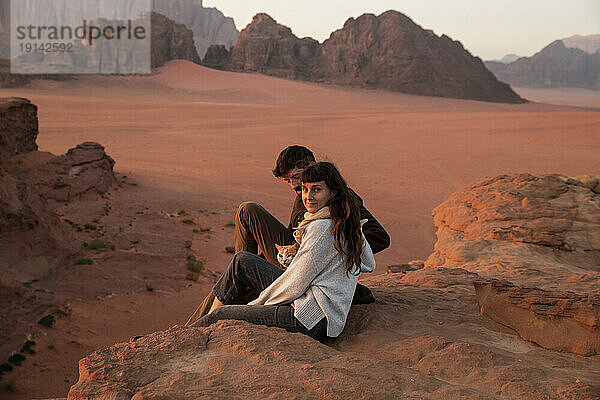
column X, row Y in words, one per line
column 292, row 178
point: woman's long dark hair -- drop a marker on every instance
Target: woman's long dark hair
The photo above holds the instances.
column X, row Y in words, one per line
column 344, row 209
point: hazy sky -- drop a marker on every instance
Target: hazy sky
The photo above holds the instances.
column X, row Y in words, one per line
column 487, row 28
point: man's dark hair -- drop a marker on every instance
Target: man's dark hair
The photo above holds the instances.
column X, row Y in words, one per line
column 292, row 157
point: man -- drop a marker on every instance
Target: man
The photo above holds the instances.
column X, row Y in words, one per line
column 256, row 230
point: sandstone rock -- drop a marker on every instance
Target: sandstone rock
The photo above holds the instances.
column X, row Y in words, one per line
column 18, row 127
column 85, row 169
column 34, row 241
column 171, row 41
column 270, row 48
column 536, row 231
column 404, row 268
column 388, row 51
column 217, row 57
column 562, row 321
column 417, row 342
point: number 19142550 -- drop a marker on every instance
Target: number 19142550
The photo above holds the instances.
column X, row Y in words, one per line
column 46, row 47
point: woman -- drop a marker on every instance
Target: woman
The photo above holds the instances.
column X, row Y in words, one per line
column 314, row 294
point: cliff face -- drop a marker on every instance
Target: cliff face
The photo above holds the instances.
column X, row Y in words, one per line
column 270, row 48
column 209, row 25
column 171, row 41
column 19, row 127
column 554, row 66
column 388, row 51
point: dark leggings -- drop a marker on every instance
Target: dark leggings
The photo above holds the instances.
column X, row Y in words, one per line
column 248, row 271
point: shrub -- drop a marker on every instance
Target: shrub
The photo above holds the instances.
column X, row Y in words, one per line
column 193, row 264
column 84, row 261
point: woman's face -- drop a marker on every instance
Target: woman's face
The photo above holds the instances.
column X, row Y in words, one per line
column 315, row 195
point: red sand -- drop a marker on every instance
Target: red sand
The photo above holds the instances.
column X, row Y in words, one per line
column 209, row 139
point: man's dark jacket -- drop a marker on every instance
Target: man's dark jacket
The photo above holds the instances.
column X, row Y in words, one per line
column 377, row 237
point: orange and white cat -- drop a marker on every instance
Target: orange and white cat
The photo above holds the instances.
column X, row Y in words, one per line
column 285, row 254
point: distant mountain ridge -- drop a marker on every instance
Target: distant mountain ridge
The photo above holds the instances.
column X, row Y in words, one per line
column 556, row 65
column 508, row 58
column 590, row 43
column 388, row 51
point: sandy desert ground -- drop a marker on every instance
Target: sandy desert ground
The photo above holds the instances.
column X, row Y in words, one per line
column 201, row 139
column 562, row 96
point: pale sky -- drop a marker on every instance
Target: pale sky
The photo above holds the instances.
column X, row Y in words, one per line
column 487, row 28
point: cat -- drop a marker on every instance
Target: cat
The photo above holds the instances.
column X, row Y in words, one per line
column 285, row 254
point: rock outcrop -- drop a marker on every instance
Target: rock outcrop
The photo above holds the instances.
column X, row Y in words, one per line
column 85, row 169
column 209, row 25
column 554, row 66
column 270, row 48
column 34, row 240
column 35, row 244
column 18, row 127
column 388, row 51
column 422, row 338
column 445, row 330
column 562, row 321
column 538, row 231
column 171, row 41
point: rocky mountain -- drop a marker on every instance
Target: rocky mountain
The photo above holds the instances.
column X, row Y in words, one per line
column 509, row 58
column 507, row 306
column 209, row 25
column 171, row 41
column 555, row 65
column 590, row 43
column 388, row 51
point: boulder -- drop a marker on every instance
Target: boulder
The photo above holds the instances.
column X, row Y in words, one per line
column 563, row 321
column 18, row 127
column 536, row 231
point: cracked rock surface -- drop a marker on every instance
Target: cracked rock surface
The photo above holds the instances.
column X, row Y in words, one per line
column 422, row 338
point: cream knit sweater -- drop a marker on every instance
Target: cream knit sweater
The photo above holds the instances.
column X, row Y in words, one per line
column 316, row 283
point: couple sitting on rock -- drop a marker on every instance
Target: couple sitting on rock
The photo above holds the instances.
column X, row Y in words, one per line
column 314, row 293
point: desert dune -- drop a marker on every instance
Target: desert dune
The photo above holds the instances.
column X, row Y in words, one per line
column 204, row 140
column 215, row 135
